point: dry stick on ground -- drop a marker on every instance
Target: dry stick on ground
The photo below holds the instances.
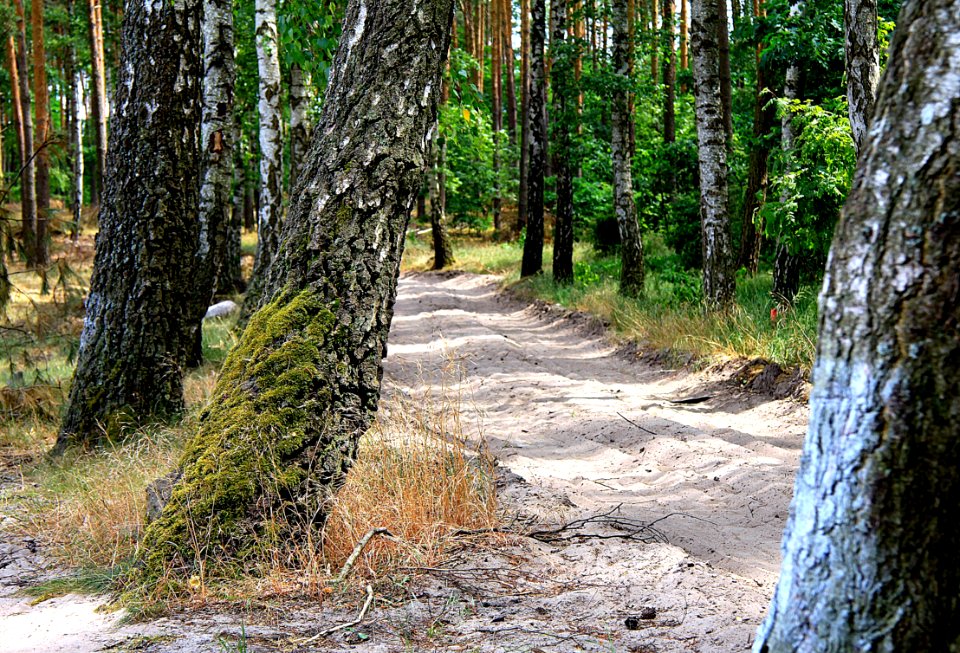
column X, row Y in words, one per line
column 358, row 549
column 634, row 530
column 349, row 624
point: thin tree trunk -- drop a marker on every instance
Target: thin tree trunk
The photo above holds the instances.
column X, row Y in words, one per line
column 74, row 103
column 217, row 136
column 621, row 147
column 136, row 335
column 869, row 552
column 42, row 134
column 98, row 94
column 786, row 270
column 669, row 75
column 508, row 64
column 299, row 121
column 655, row 41
column 523, row 192
column 269, row 218
column 303, row 383
column 442, row 248
column 718, row 277
column 536, row 157
column 17, row 107
column 726, row 89
column 28, row 195
column 496, row 92
column 563, row 116
column 684, row 36
column 863, row 64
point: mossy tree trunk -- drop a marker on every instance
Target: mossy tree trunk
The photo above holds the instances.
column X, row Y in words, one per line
column 869, row 553
column 303, row 383
column 136, row 333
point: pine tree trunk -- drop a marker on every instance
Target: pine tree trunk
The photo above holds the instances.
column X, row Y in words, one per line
column 74, row 102
column 669, row 75
column 217, row 135
column 269, row 217
column 718, row 278
column 98, row 94
column 563, row 116
column 17, row 109
column 869, row 553
column 496, row 104
column 442, row 248
column 299, row 122
column 508, row 64
column 523, row 193
column 28, row 193
column 42, row 135
column 863, row 63
column 136, row 334
column 655, row 41
column 302, row 385
column 532, row 262
column 621, row 147
column 684, row 36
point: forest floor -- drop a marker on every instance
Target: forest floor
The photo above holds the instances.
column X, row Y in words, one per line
column 683, row 477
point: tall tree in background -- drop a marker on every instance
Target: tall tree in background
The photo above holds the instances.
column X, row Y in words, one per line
column 669, row 73
column 42, row 132
column 726, row 83
column 217, row 135
column 303, row 383
column 28, row 196
column 98, row 94
column 506, row 37
column 862, row 49
column 537, row 143
column 136, row 335
column 271, row 150
column 496, row 97
column 869, row 553
column 563, row 118
column 523, row 192
column 621, row 147
column 75, row 102
column 299, row 120
column 718, row 273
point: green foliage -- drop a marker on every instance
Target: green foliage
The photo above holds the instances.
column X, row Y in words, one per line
column 811, row 181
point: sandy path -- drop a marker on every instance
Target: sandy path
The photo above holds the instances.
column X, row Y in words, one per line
column 554, row 405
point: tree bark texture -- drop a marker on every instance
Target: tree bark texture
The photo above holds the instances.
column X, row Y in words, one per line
column 563, row 117
column 684, row 35
column 299, row 120
column 42, row 135
column 28, row 194
column 621, row 146
column 442, row 248
column 863, row 64
column 269, row 215
column 726, row 84
column 669, row 74
column 523, row 190
column 217, row 136
column 302, row 385
column 532, row 262
column 869, row 553
column 136, row 335
column 718, row 278
column 98, row 92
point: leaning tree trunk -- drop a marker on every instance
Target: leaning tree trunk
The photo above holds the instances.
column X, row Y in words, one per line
column 563, row 117
column 869, row 553
column 136, row 335
column 621, row 147
column 28, row 176
column 718, row 279
column 532, row 262
column 863, row 63
column 41, row 126
column 217, row 136
column 269, row 217
column 302, row 385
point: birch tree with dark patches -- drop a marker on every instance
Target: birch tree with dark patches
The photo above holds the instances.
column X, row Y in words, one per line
column 136, row 335
column 862, row 49
column 869, row 553
column 302, row 385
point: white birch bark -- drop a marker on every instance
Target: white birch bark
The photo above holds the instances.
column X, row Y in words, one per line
column 862, row 62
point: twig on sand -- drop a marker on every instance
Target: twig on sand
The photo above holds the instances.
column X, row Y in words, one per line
column 627, row 419
column 349, row 624
column 632, row 529
column 357, row 550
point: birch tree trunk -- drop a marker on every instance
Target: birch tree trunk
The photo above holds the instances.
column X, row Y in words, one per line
column 299, row 120
column 532, row 262
column 718, row 279
column 726, row 84
column 136, row 335
column 869, row 553
column 786, row 269
column 303, row 383
column 863, row 64
column 621, row 147
column 269, row 217
column 98, row 93
column 41, row 125
column 217, row 135
column 28, row 195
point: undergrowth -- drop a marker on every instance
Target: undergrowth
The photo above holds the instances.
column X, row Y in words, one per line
column 669, row 316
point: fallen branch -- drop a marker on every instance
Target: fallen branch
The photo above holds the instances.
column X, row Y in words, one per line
column 357, row 550
column 633, row 530
column 627, row 419
column 349, row 624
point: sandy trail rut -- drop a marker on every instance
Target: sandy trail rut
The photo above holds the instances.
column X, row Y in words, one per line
column 583, row 430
